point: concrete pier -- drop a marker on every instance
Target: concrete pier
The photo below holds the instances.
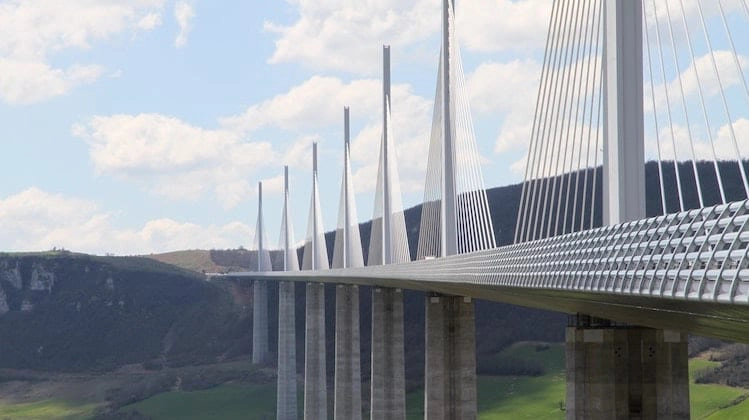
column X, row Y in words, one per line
column 286, row 395
column 347, row 387
column 315, row 385
column 259, row 322
column 623, row 372
column 388, row 396
column 450, row 376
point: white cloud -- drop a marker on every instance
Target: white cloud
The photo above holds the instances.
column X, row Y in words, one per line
column 273, row 185
column 149, row 21
column 723, row 139
column 340, row 34
column 501, row 25
column 35, row 220
column 29, row 81
column 314, row 104
column 687, row 82
column 506, row 91
column 317, row 104
column 169, row 157
column 184, row 13
column 496, row 87
column 32, row 31
column 345, row 35
column 298, row 154
column 675, row 12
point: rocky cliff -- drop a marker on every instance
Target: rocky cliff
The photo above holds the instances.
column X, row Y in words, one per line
column 64, row 311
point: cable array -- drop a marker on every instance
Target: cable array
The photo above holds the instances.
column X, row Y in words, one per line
column 399, row 248
column 688, row 66
column 696, row 94
column 474, row 227
column 565, row 135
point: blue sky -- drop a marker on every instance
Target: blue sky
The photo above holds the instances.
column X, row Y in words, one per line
column 143, row 126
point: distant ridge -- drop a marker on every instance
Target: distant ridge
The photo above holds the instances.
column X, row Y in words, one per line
column 503, row 206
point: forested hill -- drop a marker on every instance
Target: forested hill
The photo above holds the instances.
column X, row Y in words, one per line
column 73, row 312
column 503, row 206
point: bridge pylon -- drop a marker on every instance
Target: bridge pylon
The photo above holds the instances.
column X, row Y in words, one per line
column 621, row 371
column 388, row 244
column 286, row 390
column 315, row 258
column 450, row 359
column 260, row 354
column 347, row 253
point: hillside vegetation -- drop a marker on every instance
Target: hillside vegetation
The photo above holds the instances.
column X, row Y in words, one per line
column 539, row 395
column 71, row 312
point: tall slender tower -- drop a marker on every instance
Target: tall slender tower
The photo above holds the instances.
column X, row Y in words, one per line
column 623, row 127
column 286, row 390
column 347, row 253
column 388, row 244
column 260, row 290
column 315, row 258
column 449, row 220
column 450, row 356
column 652, row 362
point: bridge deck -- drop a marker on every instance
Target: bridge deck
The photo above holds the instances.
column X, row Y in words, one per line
column 687, row 271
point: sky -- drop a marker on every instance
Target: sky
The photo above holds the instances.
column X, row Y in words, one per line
column 143, row 126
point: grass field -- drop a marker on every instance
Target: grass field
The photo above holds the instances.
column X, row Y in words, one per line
column 499, row 397
column 517, row 397
column 224, row 402
column 711, row 401
column 195, row 260
column 46, row 409
column 525, row 397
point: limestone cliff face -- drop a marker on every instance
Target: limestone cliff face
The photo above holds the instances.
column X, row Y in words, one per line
column 72, row 312
column 10, row 276
column 23, row 281
column 42, row 278
column 4, row 308
column 10, row 272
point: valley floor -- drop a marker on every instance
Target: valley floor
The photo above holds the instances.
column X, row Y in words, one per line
column 28, row 395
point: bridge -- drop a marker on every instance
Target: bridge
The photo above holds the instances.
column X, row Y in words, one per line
column 636, row 285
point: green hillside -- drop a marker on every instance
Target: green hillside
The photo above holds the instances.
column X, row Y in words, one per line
column 71, row 312
column 499, row 396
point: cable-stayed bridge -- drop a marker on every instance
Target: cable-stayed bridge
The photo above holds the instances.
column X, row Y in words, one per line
column 638, row 285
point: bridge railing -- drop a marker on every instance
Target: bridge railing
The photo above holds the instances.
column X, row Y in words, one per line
column 696, row 255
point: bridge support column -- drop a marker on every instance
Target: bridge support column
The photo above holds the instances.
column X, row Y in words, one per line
column 388, row 397
column 315, row 384
column 347, row 354
column 259, row 322
column 450, row 374
column 626, row 373
column 286, row 394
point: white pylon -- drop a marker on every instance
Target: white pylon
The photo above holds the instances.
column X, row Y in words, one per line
column 290, row 260
column 315, row 249
column 455, row 215
column 623, row 127
column 347, row 251
column 449, row 220
column 388, row 239
column 286, row 388
column 263, row 255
